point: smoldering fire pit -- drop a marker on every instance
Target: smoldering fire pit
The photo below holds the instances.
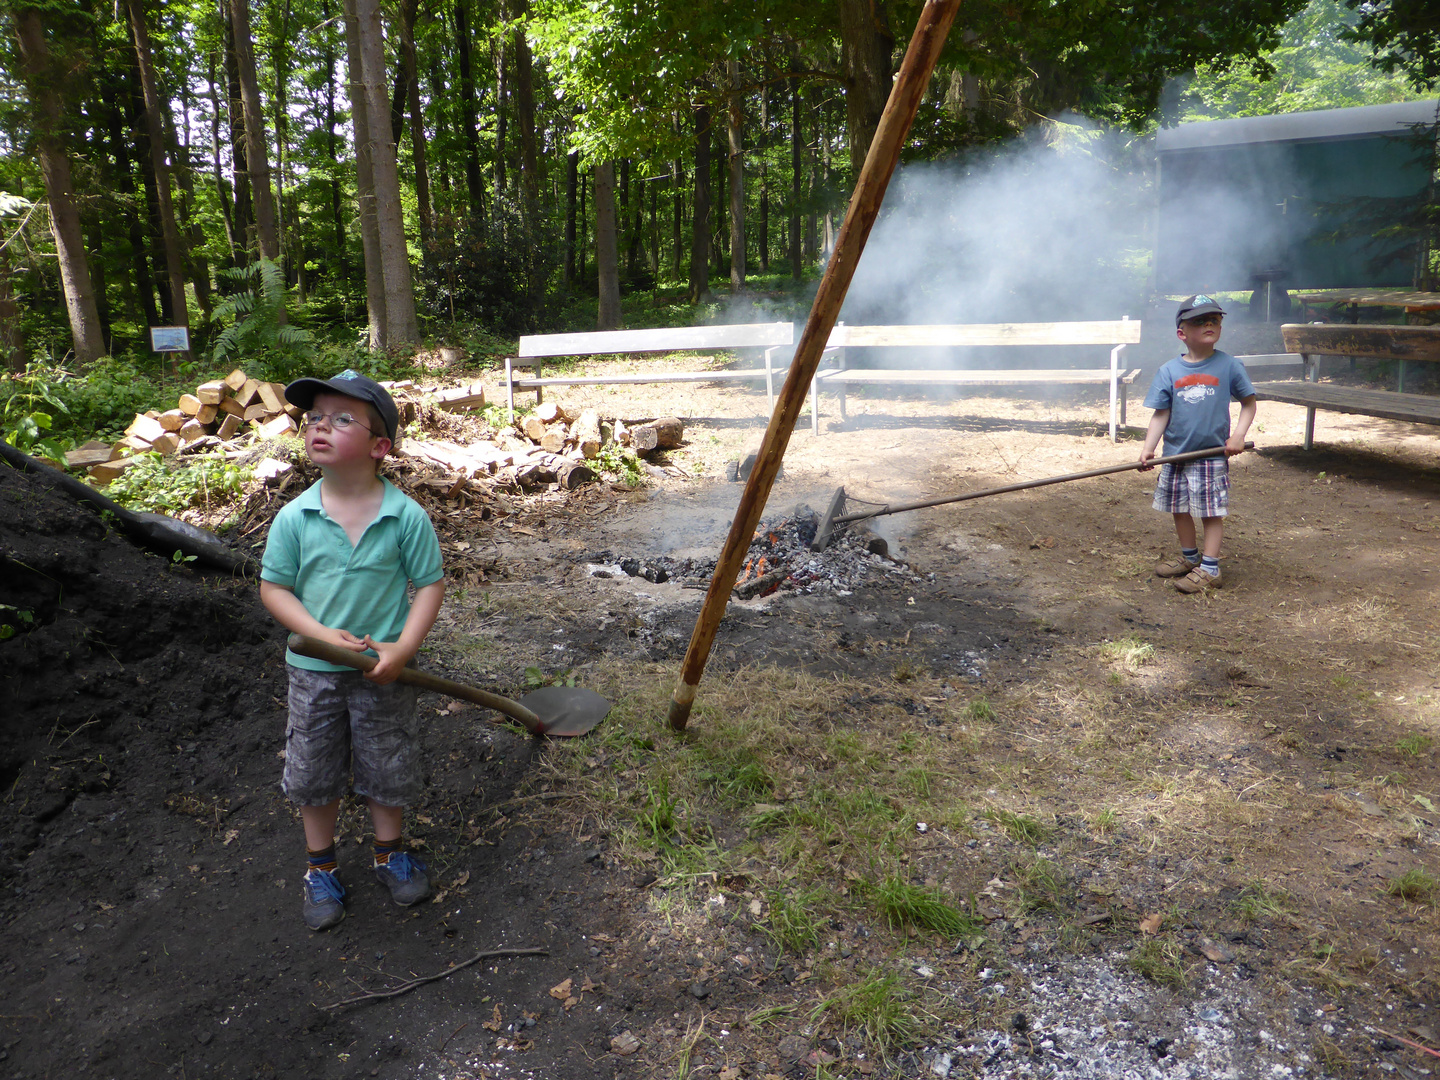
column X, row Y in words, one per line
column 779, row 560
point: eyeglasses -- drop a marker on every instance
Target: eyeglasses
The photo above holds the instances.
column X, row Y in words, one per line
column 338, row 421
column 1204, row 320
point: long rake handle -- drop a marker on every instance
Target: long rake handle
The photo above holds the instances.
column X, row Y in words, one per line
column 895, row 508
column 334, row 654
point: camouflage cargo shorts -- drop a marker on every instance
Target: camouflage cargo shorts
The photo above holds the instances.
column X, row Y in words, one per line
column 340, row 723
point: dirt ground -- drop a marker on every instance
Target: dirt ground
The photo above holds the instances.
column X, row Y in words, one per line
column 1273, row 740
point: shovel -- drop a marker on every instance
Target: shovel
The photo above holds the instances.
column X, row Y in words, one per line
column 551, row 710
column 834, row 517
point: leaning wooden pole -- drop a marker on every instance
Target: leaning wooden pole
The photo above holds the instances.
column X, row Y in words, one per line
column 899, row 113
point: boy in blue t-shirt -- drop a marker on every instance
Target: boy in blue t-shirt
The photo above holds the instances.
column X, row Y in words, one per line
column 338, row 565
column 1191, row 398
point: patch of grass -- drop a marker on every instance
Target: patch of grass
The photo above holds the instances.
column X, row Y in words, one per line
column 980, row 711
column 1019, row 827
column 794, row 923
column 1258, row 900
column 1130, row 651
column 660, row 819
column 1040, row 884
column 1415, row 746
column 1415, row 885
column 1158, row 960
column 904, row 904
column 880, row 1005
column 1104, row 821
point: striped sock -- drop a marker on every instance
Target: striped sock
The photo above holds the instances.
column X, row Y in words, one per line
column 324, row 859
column 1211, row 566
column 383, row 849
column 1190, row 555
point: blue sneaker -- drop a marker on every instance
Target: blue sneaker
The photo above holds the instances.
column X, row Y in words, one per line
column 324, row 899
column 404, row 875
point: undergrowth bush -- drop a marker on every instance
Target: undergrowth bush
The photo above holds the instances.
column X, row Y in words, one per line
column 163, row 485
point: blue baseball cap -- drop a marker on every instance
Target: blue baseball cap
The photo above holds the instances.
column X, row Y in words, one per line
column 1192, row 307
column 301, row 393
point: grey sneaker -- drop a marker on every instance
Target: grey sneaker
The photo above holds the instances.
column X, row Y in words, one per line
column 1176, row 567
column 404, row 875
column 324, row 899
column 1197, row 580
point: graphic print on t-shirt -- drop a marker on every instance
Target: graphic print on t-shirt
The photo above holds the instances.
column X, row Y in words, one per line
column 1193, row 389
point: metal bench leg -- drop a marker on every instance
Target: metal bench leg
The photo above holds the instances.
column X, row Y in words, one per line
column 770, row 379
column 815, row 406
column 1401, row 386
column 539, row 390
column 510, row 388
column 1310, row 428
column 1124, row 423
column 1114, row 389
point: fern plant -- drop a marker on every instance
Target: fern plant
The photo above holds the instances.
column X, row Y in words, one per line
column 258, row 309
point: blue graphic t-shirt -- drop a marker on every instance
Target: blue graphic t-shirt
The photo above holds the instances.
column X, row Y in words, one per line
column 1198, row 396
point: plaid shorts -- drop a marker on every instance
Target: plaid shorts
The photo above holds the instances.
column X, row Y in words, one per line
column 1198, row 487
column 342, row 722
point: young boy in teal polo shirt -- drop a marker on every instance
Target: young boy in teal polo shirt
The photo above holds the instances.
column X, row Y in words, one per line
column 338, row 565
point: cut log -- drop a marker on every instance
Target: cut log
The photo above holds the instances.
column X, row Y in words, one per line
column 211, row 393
column 166, row 444
column 192, row 430
column 207, row 414
column 462, row 398
column 108, row 470
column 188, row 404
column 273, row 396
column 173, row 420
column 665, row 433
column 247, row 394
column 271, row 470
column 533, row 475
column 280, row 425
column 143, row 427
column 554, row 438
column 547, row 412
column 133, row 444
column 294, row 412
column 574, row 473
column 256, row 412
column 229, row 426
column 534, row 428
column 235, row 380
column 91, row 453
column 588, row 439
column 232, row 407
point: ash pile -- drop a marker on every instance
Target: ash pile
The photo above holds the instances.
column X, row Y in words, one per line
column 779, row 560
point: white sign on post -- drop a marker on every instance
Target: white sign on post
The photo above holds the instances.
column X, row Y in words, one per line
column 170, row 338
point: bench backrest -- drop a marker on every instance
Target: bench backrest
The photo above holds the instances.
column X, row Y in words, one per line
column 660, row 339
column 1376, row 340
column 1111, row 332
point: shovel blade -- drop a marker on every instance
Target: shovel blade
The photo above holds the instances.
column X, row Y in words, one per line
column 566, row 710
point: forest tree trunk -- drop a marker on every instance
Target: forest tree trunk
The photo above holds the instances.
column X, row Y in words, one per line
column 700, row 221
column 525, row 118
column 365, row 186
column 257, row 156
column 734, row 131
column 474, row 182
column 866, row 47
column 607, row 260
column 44, row 83
column 400, row 323
column 417, row 126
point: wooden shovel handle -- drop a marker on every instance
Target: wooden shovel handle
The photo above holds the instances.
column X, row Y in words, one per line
column 334, row 654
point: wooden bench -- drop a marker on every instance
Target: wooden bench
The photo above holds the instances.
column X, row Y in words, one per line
column 536, row 348
column 1115, row 333
column 1368, row 341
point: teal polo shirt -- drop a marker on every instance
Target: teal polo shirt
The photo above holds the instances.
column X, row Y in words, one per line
column 362, row 588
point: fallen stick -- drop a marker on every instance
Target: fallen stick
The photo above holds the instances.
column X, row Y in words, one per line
column 1413, row 1045
column 406, row 987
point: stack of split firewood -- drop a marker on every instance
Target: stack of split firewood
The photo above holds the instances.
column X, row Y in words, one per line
column 555, row 429
column 223, row 411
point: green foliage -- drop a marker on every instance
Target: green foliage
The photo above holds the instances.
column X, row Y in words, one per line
column 793, row 923
column 1415, row 745
column 1317, row 64
column 164, row 485
column 1158, row 959
column 25, row 420
column 1415, row 885
column 620, row 462
column 904, row 904
column 258, row 311
column 1020, row 827
column 14, row 620
column 880, row 1005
